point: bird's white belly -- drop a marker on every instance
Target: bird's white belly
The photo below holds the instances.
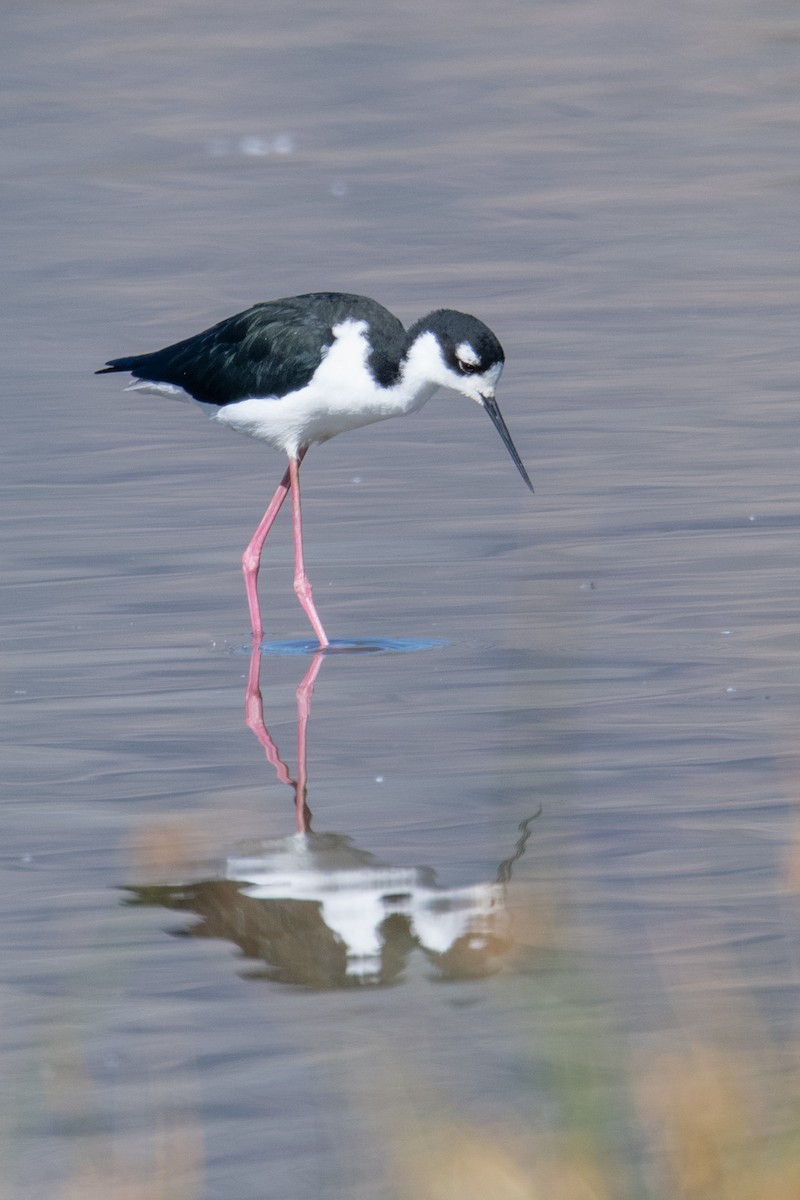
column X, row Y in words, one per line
column 300, row 418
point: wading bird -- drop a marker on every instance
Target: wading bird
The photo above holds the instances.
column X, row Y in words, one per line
column 298, row 371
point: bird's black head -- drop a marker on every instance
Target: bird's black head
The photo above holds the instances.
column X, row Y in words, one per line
column 455, row 351
column 458, row 351
column 468, row 347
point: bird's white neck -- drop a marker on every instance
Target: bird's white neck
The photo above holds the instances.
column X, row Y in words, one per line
column 421, row 373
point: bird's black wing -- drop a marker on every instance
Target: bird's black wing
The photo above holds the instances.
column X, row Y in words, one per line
column 268, row 350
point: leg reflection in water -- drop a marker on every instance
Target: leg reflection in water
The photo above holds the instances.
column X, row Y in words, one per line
column 254, row 716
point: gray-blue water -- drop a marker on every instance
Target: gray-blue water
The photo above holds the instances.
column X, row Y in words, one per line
column 577, row 813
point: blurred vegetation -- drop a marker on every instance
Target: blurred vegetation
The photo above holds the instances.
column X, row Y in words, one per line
column 713, row 1115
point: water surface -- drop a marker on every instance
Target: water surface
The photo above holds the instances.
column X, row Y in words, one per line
column 576, row 809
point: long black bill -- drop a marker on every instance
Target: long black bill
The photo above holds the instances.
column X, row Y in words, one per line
column 490, row 404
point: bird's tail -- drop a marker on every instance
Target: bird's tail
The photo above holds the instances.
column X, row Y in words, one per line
column 117, row 364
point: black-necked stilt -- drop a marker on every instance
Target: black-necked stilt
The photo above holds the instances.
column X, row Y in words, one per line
column 297, row 371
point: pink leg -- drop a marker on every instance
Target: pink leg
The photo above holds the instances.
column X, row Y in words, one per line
column 251, row 559
column 302, row 586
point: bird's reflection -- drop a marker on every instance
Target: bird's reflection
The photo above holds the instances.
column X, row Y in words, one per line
column 315, row 910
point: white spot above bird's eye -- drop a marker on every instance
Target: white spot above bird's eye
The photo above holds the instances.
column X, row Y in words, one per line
column 465, row 353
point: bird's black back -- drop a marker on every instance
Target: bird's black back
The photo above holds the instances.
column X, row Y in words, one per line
column 270, row 349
